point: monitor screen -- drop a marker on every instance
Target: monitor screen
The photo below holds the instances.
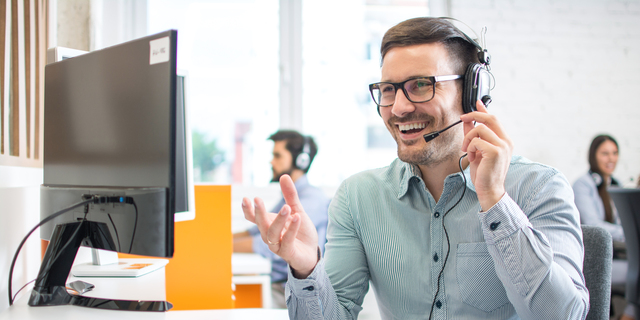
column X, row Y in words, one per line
column 115, row 128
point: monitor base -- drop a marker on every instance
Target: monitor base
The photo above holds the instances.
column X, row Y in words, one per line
column 124, row 268
column 60, row 296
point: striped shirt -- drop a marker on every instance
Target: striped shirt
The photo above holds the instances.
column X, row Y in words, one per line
column 521, row 259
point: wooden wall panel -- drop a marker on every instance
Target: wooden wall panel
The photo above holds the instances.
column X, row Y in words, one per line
column 23, row 43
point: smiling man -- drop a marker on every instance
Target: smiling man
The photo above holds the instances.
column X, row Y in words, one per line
column 438, row 234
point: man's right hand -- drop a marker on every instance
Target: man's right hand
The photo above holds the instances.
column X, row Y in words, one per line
column 290, row 233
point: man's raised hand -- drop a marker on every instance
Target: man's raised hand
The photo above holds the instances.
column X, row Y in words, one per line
column 290, row 233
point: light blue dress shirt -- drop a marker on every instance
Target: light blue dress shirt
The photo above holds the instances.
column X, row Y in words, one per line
column 521, row 259
column 591, row 207
column 315, row 204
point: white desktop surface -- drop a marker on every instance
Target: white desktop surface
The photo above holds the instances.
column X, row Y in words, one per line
column 147, row 287
column 249, row 263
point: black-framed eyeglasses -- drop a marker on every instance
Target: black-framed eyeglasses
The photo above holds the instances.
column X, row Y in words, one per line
column 420, row 89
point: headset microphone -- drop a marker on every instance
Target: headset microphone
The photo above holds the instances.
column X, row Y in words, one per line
column 430, row 136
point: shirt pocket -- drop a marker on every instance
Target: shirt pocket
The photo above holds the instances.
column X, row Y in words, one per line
column 478, row 282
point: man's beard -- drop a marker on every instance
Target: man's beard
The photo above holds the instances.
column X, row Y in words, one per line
column 278, row 175
column 439, row 150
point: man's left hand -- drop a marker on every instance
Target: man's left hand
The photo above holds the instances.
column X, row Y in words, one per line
column 489, row 151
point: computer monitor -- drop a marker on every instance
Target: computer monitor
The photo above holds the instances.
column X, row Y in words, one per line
column 113, row 132
column 185, row 198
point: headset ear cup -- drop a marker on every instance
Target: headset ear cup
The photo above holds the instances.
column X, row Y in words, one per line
column 596, row 178
column 468, row 91
column 302, row 161
column 477, row 86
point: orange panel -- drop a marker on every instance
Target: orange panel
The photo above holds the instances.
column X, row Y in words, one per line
column 248, row 296
column 199, row 274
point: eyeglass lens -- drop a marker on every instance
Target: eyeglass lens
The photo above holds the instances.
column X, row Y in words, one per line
column 418, row 90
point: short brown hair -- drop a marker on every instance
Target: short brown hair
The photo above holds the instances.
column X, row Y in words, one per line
column 432, row 30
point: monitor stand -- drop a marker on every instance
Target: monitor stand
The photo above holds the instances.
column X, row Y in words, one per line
column 105, row 263
column 50, row 288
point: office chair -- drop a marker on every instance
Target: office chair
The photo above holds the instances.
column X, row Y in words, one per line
column 598, row 253
column 627, row 202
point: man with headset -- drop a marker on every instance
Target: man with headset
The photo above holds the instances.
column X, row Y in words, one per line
column 438, row 234
column 292, row 156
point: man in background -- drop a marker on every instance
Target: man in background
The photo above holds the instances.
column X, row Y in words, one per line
column 293, row 154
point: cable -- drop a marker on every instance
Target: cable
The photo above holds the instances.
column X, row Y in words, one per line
column 45, row 273
column 464, row 189
column 114, row 229
column 135, row 224
column 15, row 295
column 96, row 199
column 45, row 220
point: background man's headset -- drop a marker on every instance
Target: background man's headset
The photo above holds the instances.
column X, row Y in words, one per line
column 303, row 160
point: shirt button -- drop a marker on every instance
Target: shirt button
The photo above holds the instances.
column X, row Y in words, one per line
column 438, row 304
column 435, row 257
column 494, row 225
column 437, row 214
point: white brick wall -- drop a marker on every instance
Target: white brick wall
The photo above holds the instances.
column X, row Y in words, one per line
column 565, row 71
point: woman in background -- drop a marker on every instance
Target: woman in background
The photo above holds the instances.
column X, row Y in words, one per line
column 593, row 200
column 591, row 195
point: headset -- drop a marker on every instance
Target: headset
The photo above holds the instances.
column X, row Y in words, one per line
column 477, row 78
column 303, row 160
column 596, row 178
column 477, row 82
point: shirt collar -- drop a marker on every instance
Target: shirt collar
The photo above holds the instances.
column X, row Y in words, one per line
column 408, row 171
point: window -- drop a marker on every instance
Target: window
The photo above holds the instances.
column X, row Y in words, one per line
column 231, row 51
column 341, row 54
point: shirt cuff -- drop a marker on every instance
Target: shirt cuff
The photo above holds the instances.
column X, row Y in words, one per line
column 309, row 287
column 502, row 220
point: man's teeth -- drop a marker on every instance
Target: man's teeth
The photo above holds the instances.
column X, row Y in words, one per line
column 407, row 127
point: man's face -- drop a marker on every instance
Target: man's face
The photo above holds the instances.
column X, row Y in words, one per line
column 403, row 63
column 282, row 162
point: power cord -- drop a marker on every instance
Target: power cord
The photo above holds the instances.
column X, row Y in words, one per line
column 17, row 292
column 87, row 199
column 444, row 263
column 45, row 220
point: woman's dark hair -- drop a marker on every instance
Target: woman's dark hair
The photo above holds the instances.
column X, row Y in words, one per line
column 593, row 167
column 431, row 30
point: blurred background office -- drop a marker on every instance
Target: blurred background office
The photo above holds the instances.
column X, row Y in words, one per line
column 564, row 70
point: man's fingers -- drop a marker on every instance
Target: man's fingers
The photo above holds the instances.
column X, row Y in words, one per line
column 290, row 193
column 482, row 116
column 480, row 106
column 483, row 133
column 248, row 211
column 274, row 232
column 260, row 213
column 289, row 236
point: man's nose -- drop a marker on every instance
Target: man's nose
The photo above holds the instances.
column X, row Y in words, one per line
column 402, row 105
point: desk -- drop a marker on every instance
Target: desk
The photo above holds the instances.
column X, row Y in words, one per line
column 20, row 310
column 251, row 268
column 148, row 287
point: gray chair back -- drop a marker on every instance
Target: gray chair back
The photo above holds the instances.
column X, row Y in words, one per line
column 598, row 253
column 627, row 203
